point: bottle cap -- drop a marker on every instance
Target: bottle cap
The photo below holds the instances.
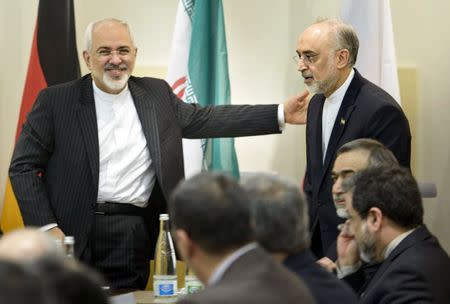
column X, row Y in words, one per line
column 164, row 216
column 69, row 240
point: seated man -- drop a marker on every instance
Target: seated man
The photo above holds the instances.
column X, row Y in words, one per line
column 281, row 227
column 210, row 216
column 386, row 225
column 28, row 244
column 352, row 157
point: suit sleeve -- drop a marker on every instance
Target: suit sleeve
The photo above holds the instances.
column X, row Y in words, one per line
column 27, row 170
column 224, row 121
column 390, row 126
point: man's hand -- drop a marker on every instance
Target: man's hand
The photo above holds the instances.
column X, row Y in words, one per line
column 56, row 233
column 328, row 264
column 296, row 108
column 347, row 248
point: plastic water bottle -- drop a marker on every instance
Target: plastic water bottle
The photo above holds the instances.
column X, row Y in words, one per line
column 191, row 282
column 165, row 276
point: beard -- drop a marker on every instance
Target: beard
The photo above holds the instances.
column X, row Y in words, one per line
column 116, row 83
column 342, row 212
column 366, row 245
column 325, row 85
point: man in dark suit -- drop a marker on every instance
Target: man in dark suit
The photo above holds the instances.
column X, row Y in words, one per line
column 352, row 157
column 386, row 225
column 211, row 222
column 99, row 156
column 280, row 216
column 345, row 107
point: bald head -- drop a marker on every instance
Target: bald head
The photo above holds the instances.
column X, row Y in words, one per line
column 27, row 244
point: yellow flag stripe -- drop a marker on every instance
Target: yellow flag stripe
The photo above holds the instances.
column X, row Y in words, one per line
column 11, row 218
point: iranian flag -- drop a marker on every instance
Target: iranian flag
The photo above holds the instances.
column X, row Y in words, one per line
column 198, row 73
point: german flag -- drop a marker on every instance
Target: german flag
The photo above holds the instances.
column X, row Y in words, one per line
column 53, row 60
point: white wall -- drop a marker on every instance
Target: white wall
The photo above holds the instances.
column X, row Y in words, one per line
column 261, row 38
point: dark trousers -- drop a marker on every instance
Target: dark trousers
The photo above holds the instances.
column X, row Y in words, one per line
column 120, row 249
column 122, row 242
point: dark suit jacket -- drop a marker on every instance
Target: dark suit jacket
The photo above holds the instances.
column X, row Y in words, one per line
column 416, row 271
column 256, row 278
column 324, row 286
column 55, row 166
column 366, row 112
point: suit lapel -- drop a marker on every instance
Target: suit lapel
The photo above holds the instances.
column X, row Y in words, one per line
column 147, row 115
column 342, row 120
column 318, row 136
column 87, row 118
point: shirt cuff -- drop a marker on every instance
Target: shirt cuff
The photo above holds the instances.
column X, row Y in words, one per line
column 48, row 227
column 343, row 271
column 280, row 115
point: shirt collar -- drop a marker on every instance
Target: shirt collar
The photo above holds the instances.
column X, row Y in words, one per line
column 225, row 264
column 395, row 242
column 338, row 95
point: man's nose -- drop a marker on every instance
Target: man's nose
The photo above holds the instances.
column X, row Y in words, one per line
column 115, row 58
column 337, row 186
column 301, row 66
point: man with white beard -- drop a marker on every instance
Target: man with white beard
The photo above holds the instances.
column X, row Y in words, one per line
column 345, row 106
column 352, row 157
column 386, row 225
column 99, row 156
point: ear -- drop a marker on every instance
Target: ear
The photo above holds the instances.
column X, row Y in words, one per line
column 87, row 59
column 184, row 244
column 342, row 58
column 374, row 219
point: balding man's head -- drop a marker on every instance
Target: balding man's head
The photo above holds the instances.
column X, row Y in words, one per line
column 27, row 244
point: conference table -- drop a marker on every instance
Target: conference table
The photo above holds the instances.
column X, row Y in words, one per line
column 133, row 297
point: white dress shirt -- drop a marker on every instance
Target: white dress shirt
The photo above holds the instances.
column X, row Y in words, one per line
column 125, row 173
column 330, row 111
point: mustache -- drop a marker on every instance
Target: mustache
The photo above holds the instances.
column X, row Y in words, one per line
column 307, row 75
column 111, row 66
column 338, row 197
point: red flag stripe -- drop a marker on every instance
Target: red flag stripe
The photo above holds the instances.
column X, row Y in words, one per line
column 34, row 82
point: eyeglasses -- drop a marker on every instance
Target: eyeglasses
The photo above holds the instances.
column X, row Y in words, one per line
column 121, row 52
column 306, row 58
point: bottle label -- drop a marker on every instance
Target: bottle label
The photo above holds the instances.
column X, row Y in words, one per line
column 192, row 285
column 165, row 286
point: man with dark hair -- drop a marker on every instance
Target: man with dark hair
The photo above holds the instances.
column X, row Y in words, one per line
column 211, row 221
column 344, row 106
column 20, row 286
column 280, row 214
column 386, row 225
column 352, row 157
column 69, row 282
